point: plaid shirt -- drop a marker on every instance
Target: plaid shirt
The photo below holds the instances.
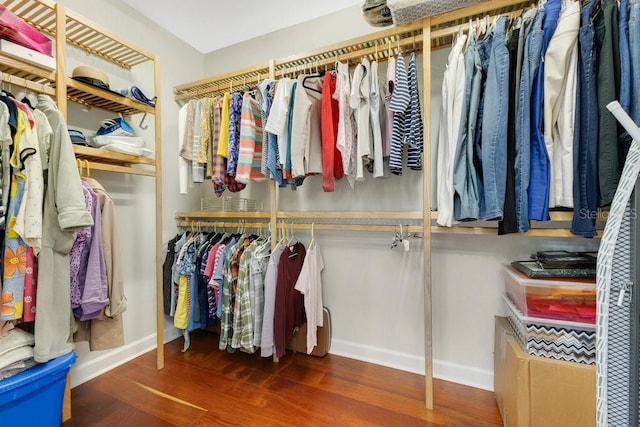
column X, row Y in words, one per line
column 243, row 312
column 231, row 270
column 257, row 274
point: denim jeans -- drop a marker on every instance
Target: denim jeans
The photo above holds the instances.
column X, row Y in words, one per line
column 494, row 125
column 634, row 53
column 466, row 198
column 585, row 152
column 539, row 184
column 608, row 76
column 484, row 52
column 531, row 63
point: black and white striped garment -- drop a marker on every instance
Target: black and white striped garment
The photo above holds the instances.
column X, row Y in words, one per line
column 413, row 121
column 400, row 105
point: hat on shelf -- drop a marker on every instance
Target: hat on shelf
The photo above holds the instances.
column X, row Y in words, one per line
column 92, row 76
column 77, row 137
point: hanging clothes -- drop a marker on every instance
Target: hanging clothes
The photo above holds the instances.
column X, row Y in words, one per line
column 331, row 157
column 107, row 331
column 375, row 106
column 267, row 341
column 64, row 212
column 452, row 98
column 309, row 284
column 359, row 102
column 346, row 125
column 250, row 145
column 306, row 131
column 289, row 303
column 389, row 85
column 466, row 183
column 560, row 85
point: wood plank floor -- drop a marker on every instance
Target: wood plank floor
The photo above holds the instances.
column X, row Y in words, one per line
column 209, row 387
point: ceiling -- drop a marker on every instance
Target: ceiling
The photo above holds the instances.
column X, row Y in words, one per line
column 208, row 25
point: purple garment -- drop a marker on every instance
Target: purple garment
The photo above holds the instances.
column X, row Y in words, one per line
column 79, row 253
column 92, row 270
column 235, row 113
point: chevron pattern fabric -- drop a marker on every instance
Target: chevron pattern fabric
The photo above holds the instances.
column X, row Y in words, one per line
column 571, row 345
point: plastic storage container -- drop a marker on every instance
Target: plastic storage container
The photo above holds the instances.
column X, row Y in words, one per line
column 565, row 299
column 556, row 339
column 34, row 397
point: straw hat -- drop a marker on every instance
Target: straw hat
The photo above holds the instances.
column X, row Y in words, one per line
column 91, row 76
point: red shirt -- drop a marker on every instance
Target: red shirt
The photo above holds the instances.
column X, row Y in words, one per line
column 331, row 156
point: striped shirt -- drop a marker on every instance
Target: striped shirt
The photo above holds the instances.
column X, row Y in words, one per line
column 250, row 150
column 413, row 121
column 400, row 104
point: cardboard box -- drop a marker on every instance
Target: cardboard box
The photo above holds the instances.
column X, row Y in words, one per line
column 539, row 392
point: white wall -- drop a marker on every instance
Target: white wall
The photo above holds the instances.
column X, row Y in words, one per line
column 134, row 195
column 376, row 294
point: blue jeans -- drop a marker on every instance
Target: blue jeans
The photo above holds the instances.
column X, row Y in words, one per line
column 484, row 52
column 530, row 63
column 539, row 184
column 466, row 199
column 634, row 53
column 494, row 125
column 585, row 165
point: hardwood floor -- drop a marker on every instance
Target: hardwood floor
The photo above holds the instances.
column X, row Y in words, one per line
column 209, row 387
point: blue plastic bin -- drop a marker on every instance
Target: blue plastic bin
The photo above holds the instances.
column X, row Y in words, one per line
column 34, row 397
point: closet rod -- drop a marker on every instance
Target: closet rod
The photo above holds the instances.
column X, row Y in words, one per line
column 333, row 56
column 27, row 84
column 302, row 226
column 309, row 215
column 492, row 7
column 364, row 215
column 450, row 31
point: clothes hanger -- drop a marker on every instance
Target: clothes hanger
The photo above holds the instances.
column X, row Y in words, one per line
column 313, row 237
column 292, row 240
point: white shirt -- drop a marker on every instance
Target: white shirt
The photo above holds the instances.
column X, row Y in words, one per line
column 346, row 125
column 277, row 123
column 359, row 102
column 452, row 98
column 375, row 100
column 306, row 133
column 310, row 285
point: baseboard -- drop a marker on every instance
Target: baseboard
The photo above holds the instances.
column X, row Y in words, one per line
column 83, row 372
column 473, row 377
column 460, row 374
column 443, row 370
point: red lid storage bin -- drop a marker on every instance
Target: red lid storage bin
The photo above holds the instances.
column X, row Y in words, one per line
column 558, row 299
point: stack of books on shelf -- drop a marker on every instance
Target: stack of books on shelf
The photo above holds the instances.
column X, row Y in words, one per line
column 22, row 41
